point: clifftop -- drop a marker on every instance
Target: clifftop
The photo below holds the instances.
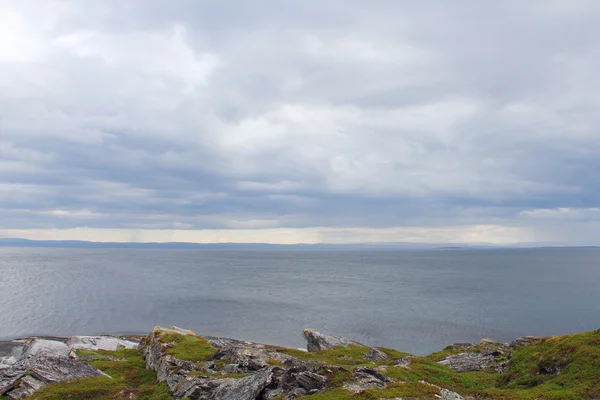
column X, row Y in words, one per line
column 177, row 364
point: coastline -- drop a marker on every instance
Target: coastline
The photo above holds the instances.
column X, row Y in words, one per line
column 176, row 363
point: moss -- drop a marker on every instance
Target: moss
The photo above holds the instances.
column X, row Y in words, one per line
column 129, row 378
column 342, row 356
column 187, row 347
column 125, row 365
column 156, row 392
column 410, row 390
column 565, row 367
column 556, row 368
column 338, row 378
column 91, row 388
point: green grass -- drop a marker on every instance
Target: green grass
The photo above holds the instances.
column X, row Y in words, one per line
column 129, row 376
column 409, row 390
column 186, row 347
column 91, row 388
column 532, row 374
column 341, row 356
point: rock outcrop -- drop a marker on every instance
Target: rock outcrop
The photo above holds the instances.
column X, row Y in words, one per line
column 318, row 341
column 270, row 373
column 29, row 364
column 493, row 358
column 366, row 378
column 524, row 341
column 213, row 368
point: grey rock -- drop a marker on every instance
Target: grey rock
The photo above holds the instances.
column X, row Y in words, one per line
column 311, row 381
column 375, row 355
column 460, row 346
column 403, row 362
column 27, row 386
column 524, row 341
column 464, row 362
column 318, row 341
column 94, row 343
column 168, row 368
column 247, row 388
column 366, row 378
column 246, row 357
column 449, row 395
column 39, row 362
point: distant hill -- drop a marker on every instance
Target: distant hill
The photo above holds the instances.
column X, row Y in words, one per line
column 17, row 242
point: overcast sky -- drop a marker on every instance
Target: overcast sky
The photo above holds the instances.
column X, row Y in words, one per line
column 300, row 121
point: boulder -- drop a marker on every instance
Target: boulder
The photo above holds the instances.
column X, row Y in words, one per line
column 39, row 362
column 403, row 362
column 318, row 341
column 366, row 378
column 524, row 341
column 465, row 362
column 375, row 355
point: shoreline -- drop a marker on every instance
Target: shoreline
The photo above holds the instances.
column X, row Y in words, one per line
column 178, row 364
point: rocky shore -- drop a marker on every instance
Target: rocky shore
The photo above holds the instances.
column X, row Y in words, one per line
column 175, row 363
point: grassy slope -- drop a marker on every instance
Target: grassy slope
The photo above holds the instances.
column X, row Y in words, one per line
column 559, row 368
column 129, row 376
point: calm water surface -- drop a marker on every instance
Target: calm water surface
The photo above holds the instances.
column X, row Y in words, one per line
column 416, row 301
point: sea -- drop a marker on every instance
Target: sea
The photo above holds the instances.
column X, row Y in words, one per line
column 418, row 301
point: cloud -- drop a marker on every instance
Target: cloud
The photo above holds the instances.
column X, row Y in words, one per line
column 424, row 121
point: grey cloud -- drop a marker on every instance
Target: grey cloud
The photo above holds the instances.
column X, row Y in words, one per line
column 267, row 114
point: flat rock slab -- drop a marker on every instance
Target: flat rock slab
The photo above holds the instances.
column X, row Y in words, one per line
column 27, row 365
column 109, row 343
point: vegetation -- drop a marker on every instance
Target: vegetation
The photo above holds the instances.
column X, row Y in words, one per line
column 351, row 356
column 186, row 347
column 555, row 368
column 129, row 378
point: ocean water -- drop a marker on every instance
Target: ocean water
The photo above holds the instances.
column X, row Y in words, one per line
column 415, row 301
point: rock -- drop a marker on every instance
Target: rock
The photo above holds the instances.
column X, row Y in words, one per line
column 524, row 341
column 38, row 348
column 271, row 373
column 247, row 388
column 39, row 362
column 245, row 357
column 464, row 362
column 375, row 355
column 311, row 381
column 403, row 362
column 109, row 343
column 460, row 346
column 168, row 368
column 318, row 341
column 449, row 395
column 366, row 378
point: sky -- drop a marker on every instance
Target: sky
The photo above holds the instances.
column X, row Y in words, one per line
column 337, row 121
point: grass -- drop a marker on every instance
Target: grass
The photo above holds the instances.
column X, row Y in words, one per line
column 555, row 368
column 341, row 356
column 409, row 390
column 129, row 377
column 186, row 347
